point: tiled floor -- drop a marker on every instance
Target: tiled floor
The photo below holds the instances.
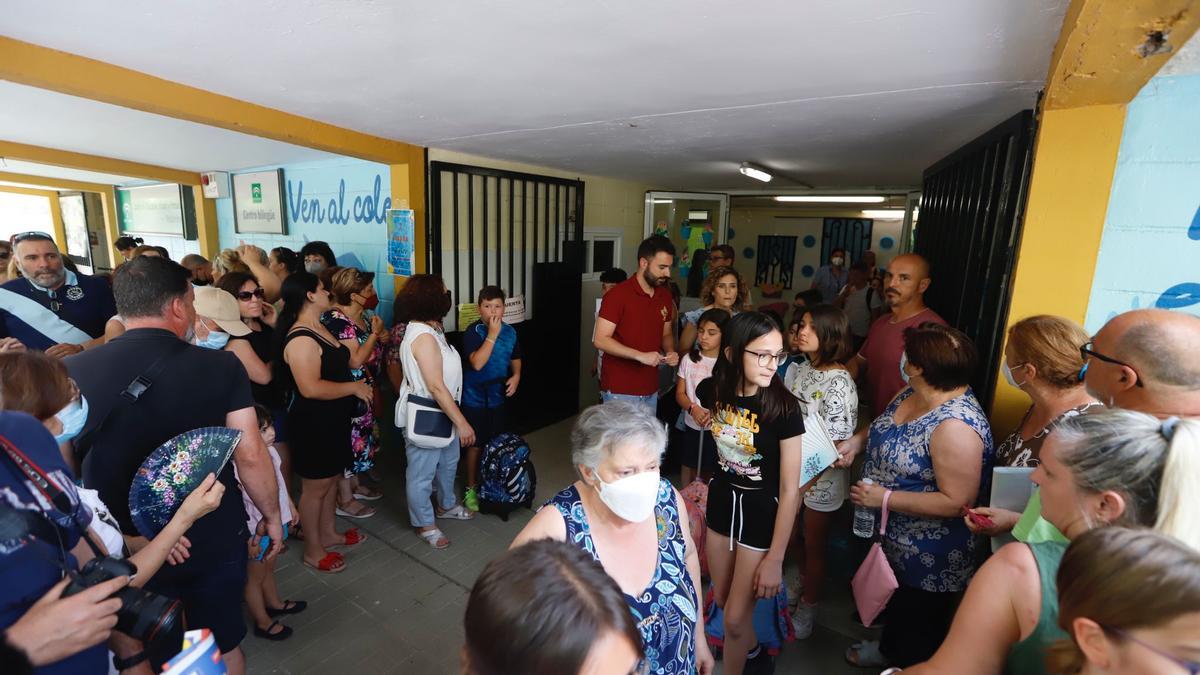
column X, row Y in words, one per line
column 398, row 606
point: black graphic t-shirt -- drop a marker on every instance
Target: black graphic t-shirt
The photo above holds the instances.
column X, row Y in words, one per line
column 747, row 447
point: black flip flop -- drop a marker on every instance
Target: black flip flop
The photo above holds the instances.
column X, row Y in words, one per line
column 289, row 607
column 274, row 637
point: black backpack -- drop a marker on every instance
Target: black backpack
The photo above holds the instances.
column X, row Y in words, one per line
column 507, row 479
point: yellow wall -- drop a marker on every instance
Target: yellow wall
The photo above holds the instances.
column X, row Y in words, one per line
column 1074, row 160
column 609, row 203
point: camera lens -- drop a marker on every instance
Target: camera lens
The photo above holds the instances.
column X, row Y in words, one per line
column 145, row 615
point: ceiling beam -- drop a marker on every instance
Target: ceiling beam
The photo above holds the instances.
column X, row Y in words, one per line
column 1109, row 49
column 46, row 68
column 79, row 160
column 42, row 182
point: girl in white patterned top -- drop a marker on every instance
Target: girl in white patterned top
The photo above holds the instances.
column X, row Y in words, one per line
column 822, row 381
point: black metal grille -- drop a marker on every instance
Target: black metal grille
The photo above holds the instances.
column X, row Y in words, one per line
column 851, row 234
column 776, row 260
column 972, row 207
column 524, row 233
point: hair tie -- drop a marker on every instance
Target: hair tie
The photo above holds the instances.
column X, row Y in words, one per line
column 1168, row 428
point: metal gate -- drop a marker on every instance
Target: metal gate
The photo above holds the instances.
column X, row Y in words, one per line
column 524, row 233
column 972, row 207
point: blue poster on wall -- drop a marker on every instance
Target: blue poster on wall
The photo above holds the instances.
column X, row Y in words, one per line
column 401, row 233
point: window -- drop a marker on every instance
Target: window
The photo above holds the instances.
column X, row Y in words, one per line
column 602, row 251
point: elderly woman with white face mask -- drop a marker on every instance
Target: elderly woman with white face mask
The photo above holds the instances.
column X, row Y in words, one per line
column 628, row 517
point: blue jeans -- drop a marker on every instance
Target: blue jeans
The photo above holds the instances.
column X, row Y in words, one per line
column 430, row 469
column 649, row 402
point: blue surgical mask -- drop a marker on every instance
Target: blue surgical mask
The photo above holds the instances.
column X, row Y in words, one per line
column 215, row 340
column 903, row 363
column 72, row 418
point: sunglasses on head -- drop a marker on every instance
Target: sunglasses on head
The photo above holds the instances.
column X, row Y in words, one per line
column 33, row 234
column 256, row 293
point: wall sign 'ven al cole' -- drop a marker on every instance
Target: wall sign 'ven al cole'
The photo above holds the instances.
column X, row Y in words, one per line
column 258, row 203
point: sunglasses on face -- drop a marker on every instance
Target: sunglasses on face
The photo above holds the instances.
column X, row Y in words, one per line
column 245, row 296
column 1192, row 667
column 32, row 234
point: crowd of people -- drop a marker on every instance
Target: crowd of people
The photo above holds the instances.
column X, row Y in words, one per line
column 620, row 571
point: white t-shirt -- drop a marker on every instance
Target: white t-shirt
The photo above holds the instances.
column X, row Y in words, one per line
column 832, row 391
column 451, row 363
column 858, row 309
column 693, row 373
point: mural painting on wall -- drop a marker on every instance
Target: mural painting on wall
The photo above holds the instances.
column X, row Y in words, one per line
column 1187, row 293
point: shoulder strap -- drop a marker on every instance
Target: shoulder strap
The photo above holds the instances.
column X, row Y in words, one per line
column 131, row 394
column 883, row 514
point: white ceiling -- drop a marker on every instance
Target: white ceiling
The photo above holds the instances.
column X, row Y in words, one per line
column 45, row 118
column 63, row 173
column 674, row 92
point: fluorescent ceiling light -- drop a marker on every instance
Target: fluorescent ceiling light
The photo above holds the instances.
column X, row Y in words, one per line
column 884, row 214
column 755, row 172
column 663, row 201
column 832, row 199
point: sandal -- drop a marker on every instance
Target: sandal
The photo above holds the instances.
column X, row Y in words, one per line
column 362, row 512
column 289, row 607
column 284, row 633
column 457, row 513
column 350, row 538
column 367, row 494
column 434, row 538
column 296, row 533
column 332, row 563
column 866, row 654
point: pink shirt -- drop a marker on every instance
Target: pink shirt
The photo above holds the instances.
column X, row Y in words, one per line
column 693, row 373
column 253, row 515
column 885, row 343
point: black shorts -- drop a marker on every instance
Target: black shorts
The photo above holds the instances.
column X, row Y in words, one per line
column 745, row 516
column 689, row 450
column 488, row 423
column 212, row 596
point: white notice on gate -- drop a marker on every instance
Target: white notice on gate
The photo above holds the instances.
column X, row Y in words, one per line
column 514, row 309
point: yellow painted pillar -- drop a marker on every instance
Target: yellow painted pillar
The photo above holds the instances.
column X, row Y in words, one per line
column 1074, row 160
column 112, row 227
column 408, row 192
column 60, row 230
column 206, row 223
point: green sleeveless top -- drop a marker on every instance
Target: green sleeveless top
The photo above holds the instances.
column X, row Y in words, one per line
column 1028, row 657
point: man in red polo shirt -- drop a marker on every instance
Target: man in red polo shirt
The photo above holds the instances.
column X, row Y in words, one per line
column 634, row 328
column 905, row 282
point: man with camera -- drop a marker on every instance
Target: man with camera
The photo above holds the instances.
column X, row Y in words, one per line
column 148, row 386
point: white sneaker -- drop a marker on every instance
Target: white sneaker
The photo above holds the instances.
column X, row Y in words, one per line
column 803, row 619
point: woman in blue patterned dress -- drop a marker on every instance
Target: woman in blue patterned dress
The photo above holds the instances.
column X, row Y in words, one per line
column 353, row 322
column 932, row 449
column 627, row 517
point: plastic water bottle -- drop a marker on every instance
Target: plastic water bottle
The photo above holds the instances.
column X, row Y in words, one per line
column 864, row 518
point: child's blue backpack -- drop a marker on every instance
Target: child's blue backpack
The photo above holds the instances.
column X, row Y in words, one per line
column 507, row 480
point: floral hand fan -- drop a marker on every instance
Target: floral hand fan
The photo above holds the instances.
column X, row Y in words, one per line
column 173, row 470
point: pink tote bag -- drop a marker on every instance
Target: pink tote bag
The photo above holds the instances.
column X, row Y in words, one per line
column 875, row 582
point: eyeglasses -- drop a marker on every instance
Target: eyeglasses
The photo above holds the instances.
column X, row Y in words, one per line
column 245, row 296
column 767, row 357
column 1086, row 351
column 1192, row 667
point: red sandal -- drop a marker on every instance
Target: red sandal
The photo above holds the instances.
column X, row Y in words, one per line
column 332, row 563
column 350, row 538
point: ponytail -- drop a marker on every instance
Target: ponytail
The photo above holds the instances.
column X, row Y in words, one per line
column 1179, row 513
column 294, row 293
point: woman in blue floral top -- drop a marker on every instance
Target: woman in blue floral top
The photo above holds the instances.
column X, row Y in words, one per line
column 627, row 517
column 932, row 449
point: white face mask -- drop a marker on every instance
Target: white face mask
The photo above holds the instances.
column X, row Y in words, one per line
column 837, row 262
column 903, row 363
column 632, row 498
column 1008, row 376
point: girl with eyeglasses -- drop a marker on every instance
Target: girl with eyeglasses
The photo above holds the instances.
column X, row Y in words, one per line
column 1130, row 600
column 755, row 494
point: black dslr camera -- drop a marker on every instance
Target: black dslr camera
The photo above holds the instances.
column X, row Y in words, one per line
column 143, row 615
